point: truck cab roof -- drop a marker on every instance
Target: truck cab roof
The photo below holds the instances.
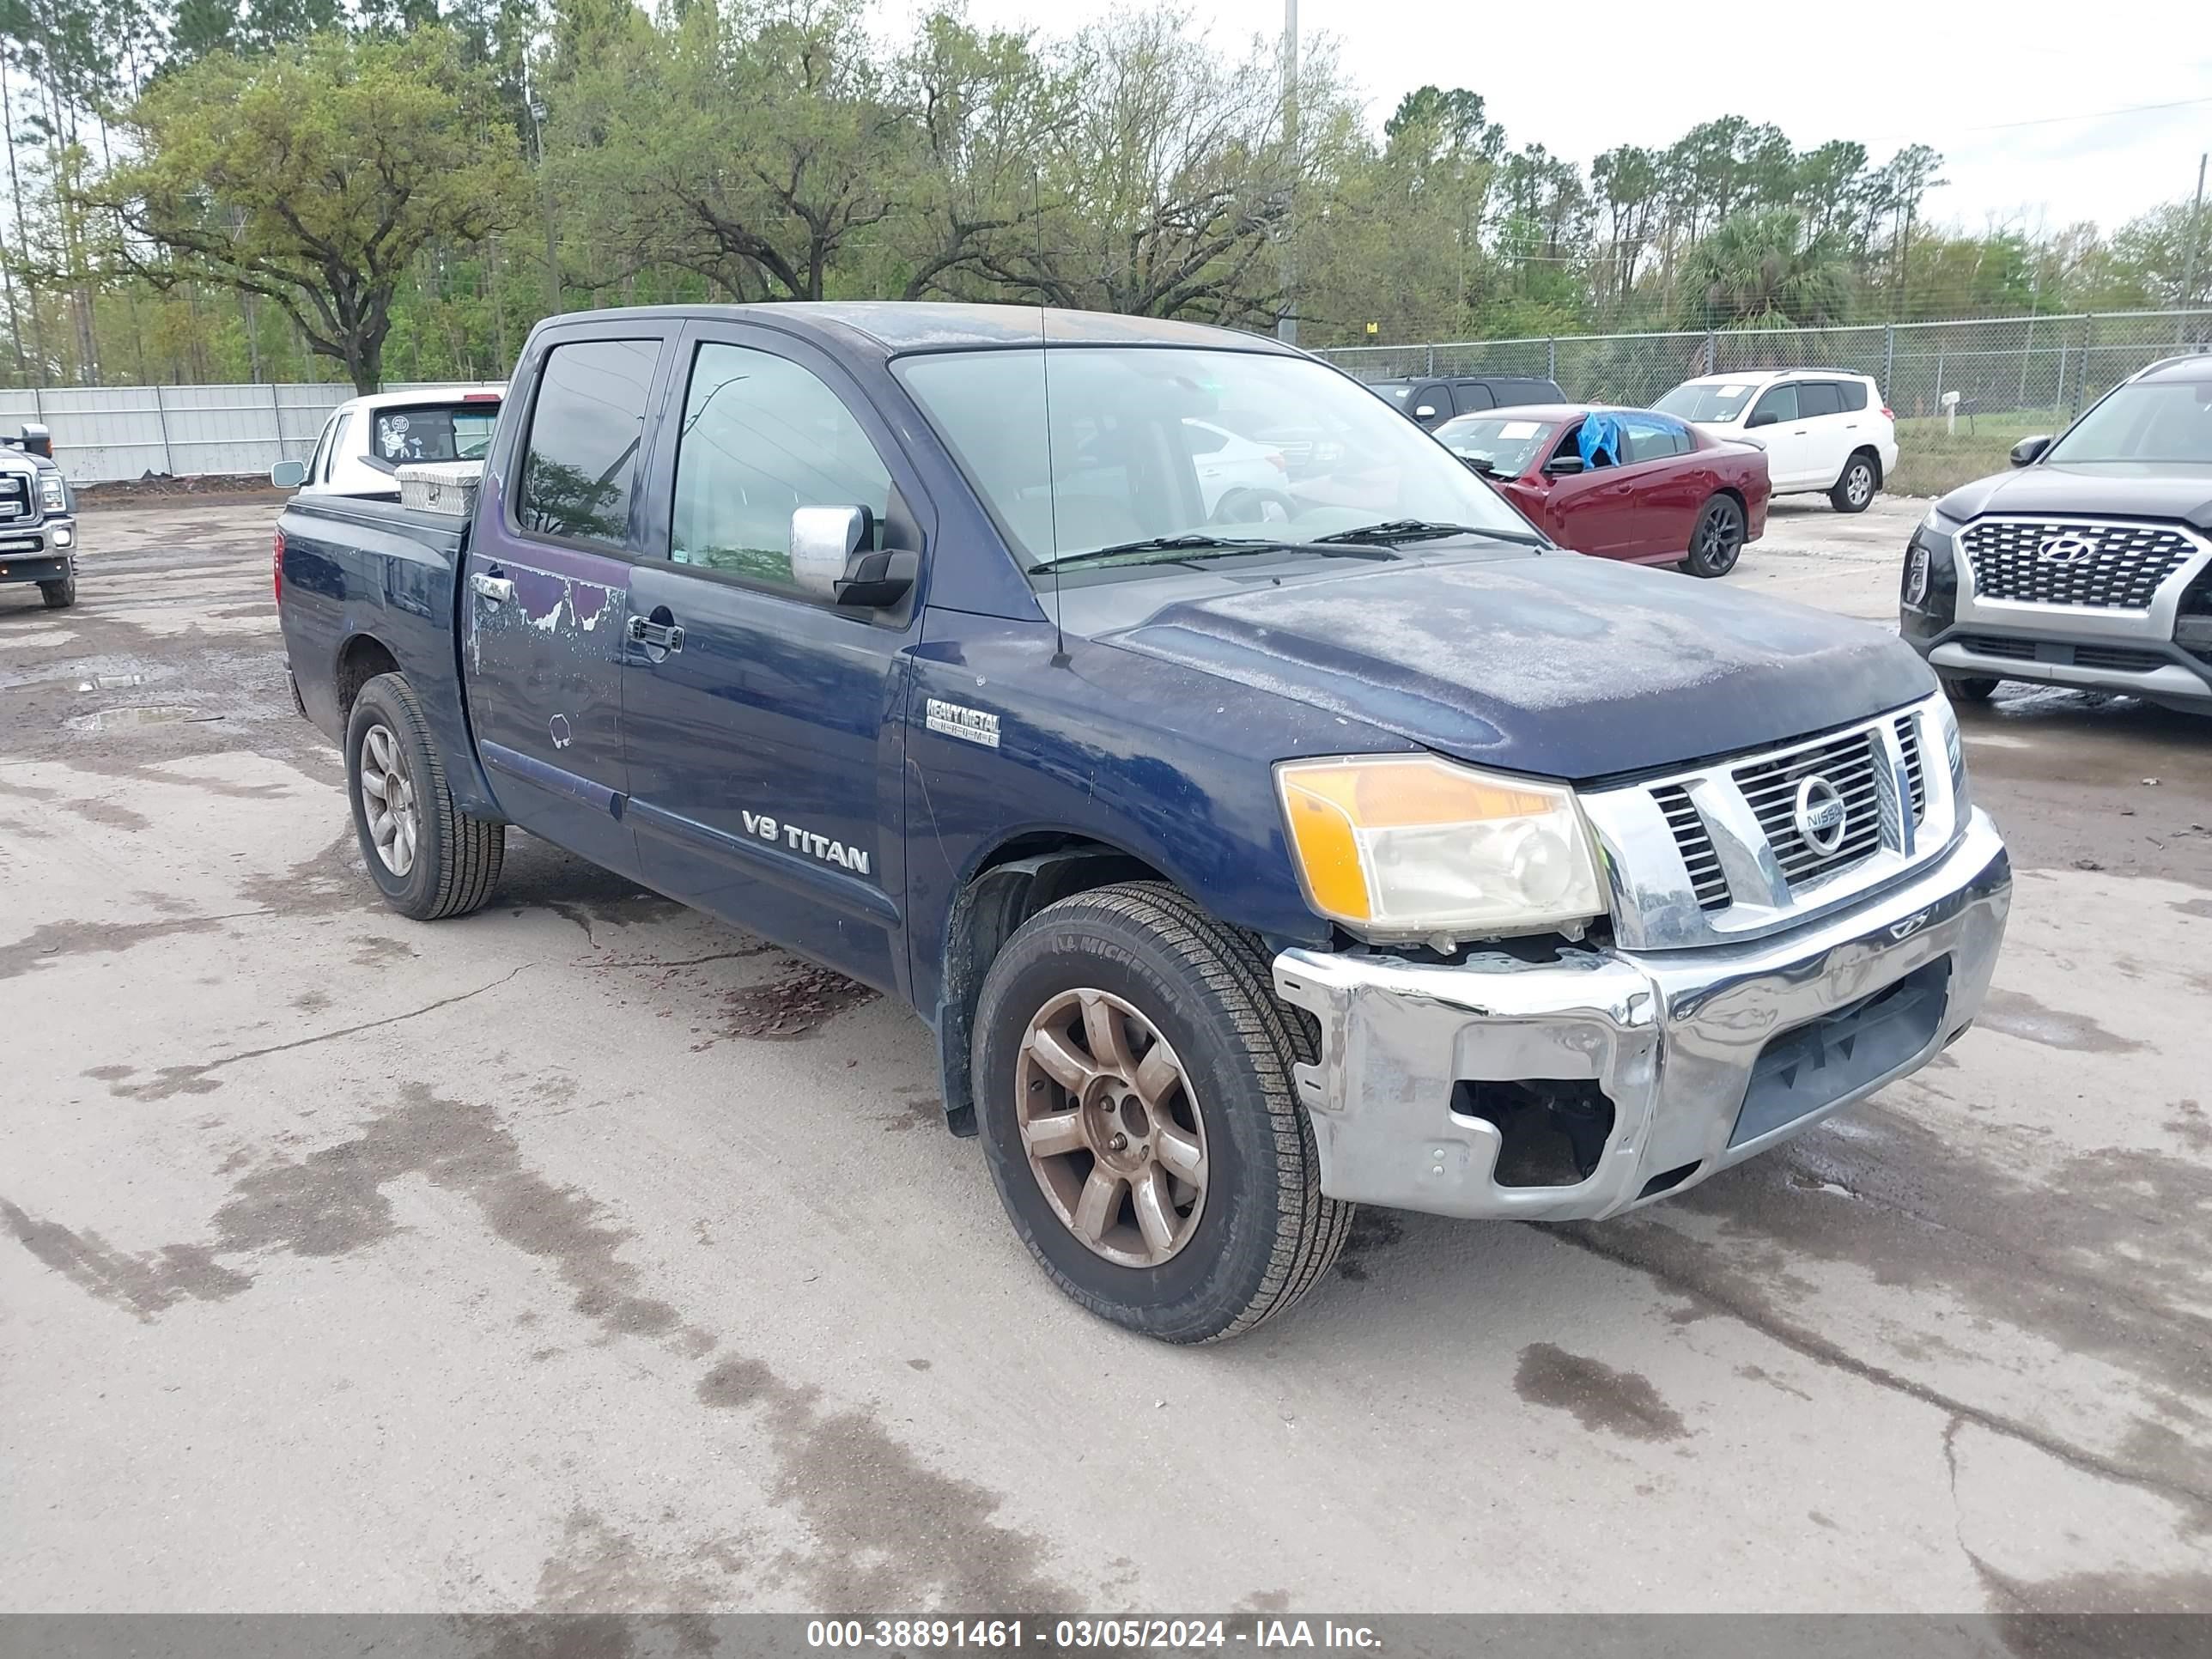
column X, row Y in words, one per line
column 899, row 328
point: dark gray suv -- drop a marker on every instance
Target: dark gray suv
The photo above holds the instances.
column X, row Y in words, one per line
column 2090, row 564
column 1431, row 400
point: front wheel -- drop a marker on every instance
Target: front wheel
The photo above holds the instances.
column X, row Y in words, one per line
column 1134, row 1071
column 1854, row 491
column 60, row 595
column 1968, row 688
column 429, row 857
column 1719, row 539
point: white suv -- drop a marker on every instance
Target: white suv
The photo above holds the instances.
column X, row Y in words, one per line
column 1823, row 430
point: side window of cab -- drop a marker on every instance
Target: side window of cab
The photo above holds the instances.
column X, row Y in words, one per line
column 762, row 437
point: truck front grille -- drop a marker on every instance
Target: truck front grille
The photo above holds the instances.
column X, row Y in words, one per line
column 2073, row 562
column 1770, row 788
column 1695, row 843
column 14, row 496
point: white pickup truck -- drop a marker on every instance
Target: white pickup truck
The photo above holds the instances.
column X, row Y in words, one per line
column 368, row 440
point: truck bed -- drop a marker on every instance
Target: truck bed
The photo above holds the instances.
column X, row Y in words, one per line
column 370, row 585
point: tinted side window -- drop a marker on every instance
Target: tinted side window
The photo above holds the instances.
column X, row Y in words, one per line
column 1650, row 439
column 1853, row 393
column 579, row 462
column 1817, row 397
column 1779, row 405
column 761, row 437
column 1472, row 395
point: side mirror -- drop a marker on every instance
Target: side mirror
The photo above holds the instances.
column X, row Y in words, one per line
column 38, row 440
column 830, row 558
column 1563, row 466
column 1764, row 417
column 1425, row 412
column 288, row 475
column 2028, row 451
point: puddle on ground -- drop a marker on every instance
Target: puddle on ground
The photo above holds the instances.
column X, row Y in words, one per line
column 110, row 681
column 152, row 713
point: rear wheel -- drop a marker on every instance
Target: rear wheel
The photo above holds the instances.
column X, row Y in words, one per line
column 1854, row 491
column 1968, row 688
column 60, row 595
column 1133, row 1072
column 429, row 857
column 1718, row 541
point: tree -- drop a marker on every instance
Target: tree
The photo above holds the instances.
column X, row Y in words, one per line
column 988, row 106
column 1760, row 269
column 751, row 145
column 312, row 177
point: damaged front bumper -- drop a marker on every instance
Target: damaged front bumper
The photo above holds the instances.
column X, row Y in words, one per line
column 1699, row 1058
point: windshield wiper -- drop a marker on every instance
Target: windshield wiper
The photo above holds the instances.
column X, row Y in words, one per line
column 1193, row 541
column 1422, row 530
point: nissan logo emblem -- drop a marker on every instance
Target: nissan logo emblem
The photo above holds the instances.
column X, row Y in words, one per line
column 1820, row 817
column 2066, row 550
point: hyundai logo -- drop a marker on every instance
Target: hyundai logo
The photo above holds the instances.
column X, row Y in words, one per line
column 1821, row 818
column 2068, row 548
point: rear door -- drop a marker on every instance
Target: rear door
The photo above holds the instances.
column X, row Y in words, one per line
column 764, row 746
column 1790, row 462
column 545, row 595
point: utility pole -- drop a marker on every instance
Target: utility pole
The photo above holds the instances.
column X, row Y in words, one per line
column 1287, row 326
column 2196, row 237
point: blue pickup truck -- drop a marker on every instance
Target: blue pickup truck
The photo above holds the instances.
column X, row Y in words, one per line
column 1261, row 816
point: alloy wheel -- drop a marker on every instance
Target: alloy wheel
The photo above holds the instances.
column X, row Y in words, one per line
column 1111, row 1128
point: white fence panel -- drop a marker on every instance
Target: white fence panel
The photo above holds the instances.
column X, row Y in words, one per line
column 109, row 432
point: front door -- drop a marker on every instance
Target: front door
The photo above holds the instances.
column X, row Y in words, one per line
column 1773, row 421
column 546, row 596
column 764, row 744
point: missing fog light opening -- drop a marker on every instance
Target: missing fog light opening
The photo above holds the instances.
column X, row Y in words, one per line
column 1552, row 1131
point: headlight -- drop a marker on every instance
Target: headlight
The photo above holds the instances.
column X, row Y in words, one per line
column 1916, row 573
column 1409, row 847
column 50, row 493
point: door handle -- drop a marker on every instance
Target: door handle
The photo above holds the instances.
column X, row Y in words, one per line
column 496, row 589
column 657, row 636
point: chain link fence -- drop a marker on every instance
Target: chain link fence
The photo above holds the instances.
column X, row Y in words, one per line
column 2054, row 365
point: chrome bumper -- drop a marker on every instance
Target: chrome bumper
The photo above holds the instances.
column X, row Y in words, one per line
column 1673, row 1039
column 2170, row 679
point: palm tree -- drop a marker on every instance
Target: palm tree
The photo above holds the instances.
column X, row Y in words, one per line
column 1760, row 270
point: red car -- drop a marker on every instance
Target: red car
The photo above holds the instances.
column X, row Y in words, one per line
column 1648, row 489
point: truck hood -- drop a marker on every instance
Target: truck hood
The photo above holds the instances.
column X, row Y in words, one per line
column 1552, row 665
column 2121, row 489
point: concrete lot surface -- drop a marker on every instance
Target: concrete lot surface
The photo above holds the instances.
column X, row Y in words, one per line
column 587, row 1255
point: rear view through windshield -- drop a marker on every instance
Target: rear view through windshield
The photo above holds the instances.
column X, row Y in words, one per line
column 1717, row 405
column 435, row 432
column 1503, row 446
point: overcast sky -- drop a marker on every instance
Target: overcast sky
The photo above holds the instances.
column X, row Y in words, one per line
column 1883, row 72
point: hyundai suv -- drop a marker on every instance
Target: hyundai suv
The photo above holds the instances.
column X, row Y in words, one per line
column 2090, row 564
column 1825, row 432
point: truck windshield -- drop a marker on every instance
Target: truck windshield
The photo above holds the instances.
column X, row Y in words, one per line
column 1709, row 405
column 1144, row 443
column 2167, row 422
